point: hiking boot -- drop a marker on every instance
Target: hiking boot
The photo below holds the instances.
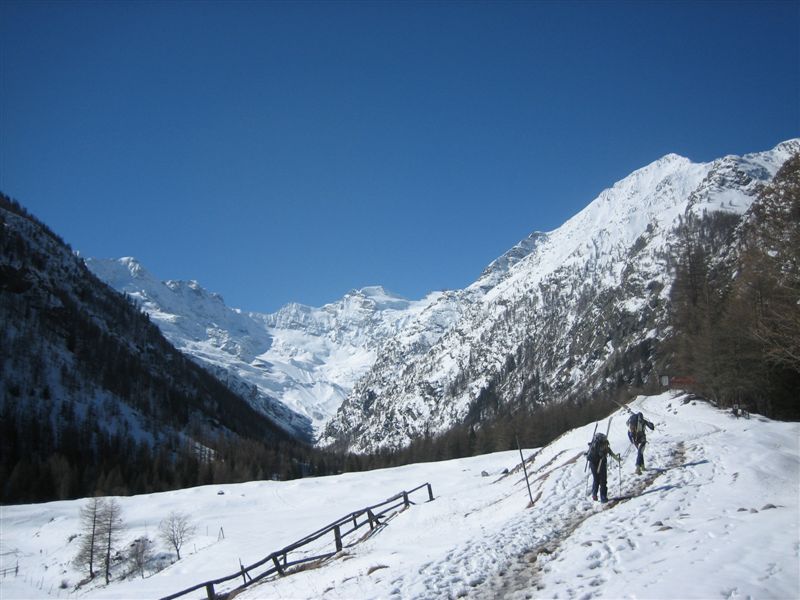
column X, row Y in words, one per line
column 604, row 500
column 638, row 470
column 594, row 497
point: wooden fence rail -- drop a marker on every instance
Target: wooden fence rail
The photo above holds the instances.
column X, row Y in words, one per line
column 279, row 562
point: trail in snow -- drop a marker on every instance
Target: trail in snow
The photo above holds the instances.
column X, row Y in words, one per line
column 620, row 551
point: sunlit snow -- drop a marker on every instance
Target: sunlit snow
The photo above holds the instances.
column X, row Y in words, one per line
column 716, row 515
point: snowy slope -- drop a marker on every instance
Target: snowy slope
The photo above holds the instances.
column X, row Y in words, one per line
column 296, row 365
column 568, row 309
column 716, row 515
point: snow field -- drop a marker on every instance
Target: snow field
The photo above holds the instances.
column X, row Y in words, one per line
column 698, row 525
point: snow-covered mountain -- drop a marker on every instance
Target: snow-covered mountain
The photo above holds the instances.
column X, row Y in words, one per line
column 716, row 514
column 296, row 365
column 563, row 315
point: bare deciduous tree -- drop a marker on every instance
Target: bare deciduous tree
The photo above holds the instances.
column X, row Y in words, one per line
column 140, row 553
column 111, row 527
column 89, row 551
column 176, row 530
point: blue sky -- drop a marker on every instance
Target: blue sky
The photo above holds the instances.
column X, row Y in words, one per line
column 281, row 152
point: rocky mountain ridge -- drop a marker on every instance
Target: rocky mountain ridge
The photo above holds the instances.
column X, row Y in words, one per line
column 578, row 312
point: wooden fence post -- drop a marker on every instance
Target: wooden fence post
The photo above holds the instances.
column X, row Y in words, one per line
column 338, row 534
column 371, row 519
column 210, row 591
column 430, row 493
column 405, row 499
column 277, row 564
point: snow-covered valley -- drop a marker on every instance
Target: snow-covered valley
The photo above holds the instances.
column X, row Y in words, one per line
column 715, row 515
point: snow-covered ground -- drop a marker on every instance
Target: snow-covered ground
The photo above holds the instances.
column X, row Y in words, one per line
column 716, row 515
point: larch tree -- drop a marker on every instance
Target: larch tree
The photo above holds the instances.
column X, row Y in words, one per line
column 111, row 526
column 89, row 551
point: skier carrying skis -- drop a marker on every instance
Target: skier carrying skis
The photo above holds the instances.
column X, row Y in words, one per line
column 597, row 455
column 636, row 434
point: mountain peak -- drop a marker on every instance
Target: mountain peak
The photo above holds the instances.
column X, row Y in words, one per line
column 125, row 272
column 499, row 267
column 375, row 297
column 671, row 157
column 375, row 290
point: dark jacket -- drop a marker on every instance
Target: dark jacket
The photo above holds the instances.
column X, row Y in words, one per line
column 637, row 425
column 599, row 449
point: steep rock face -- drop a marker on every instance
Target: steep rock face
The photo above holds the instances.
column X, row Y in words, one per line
column 563, row 315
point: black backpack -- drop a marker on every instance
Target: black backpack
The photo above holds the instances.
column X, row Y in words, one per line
column 636, row 424
column 636, row 427
column 597, row 447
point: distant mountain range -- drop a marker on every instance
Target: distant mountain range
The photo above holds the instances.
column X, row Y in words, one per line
column 296, row 365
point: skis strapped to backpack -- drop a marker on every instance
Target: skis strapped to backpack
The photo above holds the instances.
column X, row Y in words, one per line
column 598, row 439
column 590, row 447
column 608, row 430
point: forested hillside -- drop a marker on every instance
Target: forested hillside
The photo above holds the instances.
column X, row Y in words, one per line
column 93, row 398
column 736, row 316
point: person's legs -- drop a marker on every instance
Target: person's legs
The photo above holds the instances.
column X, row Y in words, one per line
column 595, row 479
column 640, row 457
column 603, row 477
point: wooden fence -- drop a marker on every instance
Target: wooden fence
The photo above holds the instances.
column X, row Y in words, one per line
column 9, row 571
column 280, row 563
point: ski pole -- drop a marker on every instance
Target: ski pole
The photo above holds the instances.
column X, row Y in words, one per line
column 627, row 452
column 524, row 468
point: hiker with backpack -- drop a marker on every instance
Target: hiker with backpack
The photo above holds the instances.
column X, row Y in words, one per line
column 597, row 455
column 637, row 436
